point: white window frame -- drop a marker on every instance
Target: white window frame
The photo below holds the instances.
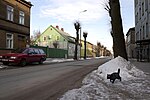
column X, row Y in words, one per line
column 9, row 41
column 10, row 13
column 49, row 37
column 21, row 17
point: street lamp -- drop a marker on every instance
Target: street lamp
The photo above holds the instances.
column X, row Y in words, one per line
column 85, row 36
column 83, row 11
column 80, row 30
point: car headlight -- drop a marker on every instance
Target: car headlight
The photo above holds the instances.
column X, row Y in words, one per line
column 13, row 57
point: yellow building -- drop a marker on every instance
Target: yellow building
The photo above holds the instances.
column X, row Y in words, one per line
column 90, row 49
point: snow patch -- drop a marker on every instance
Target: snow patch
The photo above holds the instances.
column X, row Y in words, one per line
column 134, row 85
column 127, row 70
column 3, row 66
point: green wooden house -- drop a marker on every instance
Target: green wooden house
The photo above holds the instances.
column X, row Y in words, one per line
column 53, row 37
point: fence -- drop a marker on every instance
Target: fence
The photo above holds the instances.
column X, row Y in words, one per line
column 53, row 52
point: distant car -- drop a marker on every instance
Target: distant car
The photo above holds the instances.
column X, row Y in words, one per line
column 24, row 56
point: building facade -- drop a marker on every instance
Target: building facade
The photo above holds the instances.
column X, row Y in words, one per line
column 14, row 24
column 90, row 49
column 142, row 29
column 55, row 37
column 130, row 43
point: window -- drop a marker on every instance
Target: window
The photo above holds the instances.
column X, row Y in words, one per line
column 142, row 8
column 36, row 51
column 139, row 13
column 25, row 51
column 9, row 40
column 136, row 18
column 44, row 38
column 41, row 51
column 10, row 11
column 57, row 38
column 140, row 37
column 31, row 51
column 136, row 2
column 143, row 32
column 49, row 37
column 137, row 36
column 147, row 30
column 146, row 5
column 21, row 17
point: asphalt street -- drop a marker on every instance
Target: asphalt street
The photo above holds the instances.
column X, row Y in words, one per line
column 47, row 81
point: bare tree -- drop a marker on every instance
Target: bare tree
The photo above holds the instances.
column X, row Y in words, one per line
column 36, row 34
column 55, row 44
column 98, row 47
column 113, row 7
column 77, row 27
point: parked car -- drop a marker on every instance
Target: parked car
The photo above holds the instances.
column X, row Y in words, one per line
column 24, row 56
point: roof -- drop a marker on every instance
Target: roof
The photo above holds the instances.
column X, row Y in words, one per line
column 62, row 33
column 131, row 29
column 25, row 2
column 87, row 42
column 65, row 35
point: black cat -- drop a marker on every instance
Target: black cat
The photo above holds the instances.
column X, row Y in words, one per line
column 114, row 76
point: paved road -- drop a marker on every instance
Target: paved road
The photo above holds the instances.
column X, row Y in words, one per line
column 44, row 82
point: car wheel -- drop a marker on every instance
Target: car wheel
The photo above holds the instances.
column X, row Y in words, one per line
column 23, row 62
column 41, row 61
column 5, row 63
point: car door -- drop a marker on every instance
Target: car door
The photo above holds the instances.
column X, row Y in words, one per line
column 31, row 55
column 37, row 55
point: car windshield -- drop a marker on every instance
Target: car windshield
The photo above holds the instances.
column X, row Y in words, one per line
column 25, row 50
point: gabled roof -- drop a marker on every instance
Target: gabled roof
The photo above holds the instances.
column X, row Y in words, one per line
column 65, row 35
column 62, row 33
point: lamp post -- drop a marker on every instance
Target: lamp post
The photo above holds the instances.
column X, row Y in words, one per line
column 85, row 36
column 77, row 26
column 80, row 30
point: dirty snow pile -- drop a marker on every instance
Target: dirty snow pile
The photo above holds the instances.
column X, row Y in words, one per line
column 135, row 85
column 61, row 60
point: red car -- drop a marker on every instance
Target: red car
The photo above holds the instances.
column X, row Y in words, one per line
column 23, row 57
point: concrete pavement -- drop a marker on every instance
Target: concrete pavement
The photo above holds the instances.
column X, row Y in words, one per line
column 144, row 66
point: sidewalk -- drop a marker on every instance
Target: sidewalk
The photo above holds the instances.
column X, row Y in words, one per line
column 144, row 66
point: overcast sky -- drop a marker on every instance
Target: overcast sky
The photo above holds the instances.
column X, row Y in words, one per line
column 95, row 20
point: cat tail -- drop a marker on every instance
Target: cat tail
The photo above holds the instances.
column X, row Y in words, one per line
column 119, row 71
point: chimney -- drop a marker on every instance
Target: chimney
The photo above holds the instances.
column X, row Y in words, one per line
column 62, row 29
column 57, row 27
